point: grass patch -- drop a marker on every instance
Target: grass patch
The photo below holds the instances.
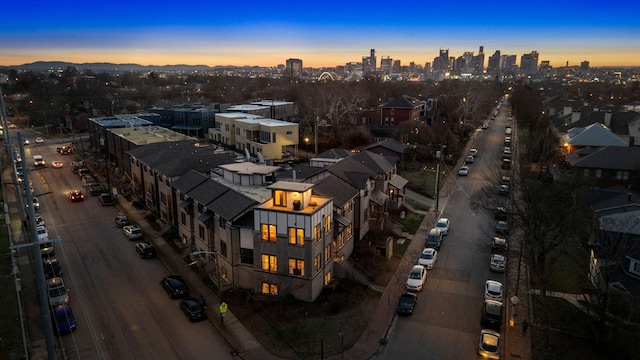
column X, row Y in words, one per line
column 293, row 329
column 422, row 181
column 568, row 275
column 416, row 205
column 411, row 222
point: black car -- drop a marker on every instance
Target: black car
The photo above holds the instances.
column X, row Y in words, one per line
column 502, row 227
column 96, row 189
column 193, row 309
column 175, row 286
column 500, row 213
column 122, row 221
column 51, row 268
column 107, row 199
column 407, row 303
column 491, row 317
column 145, row 249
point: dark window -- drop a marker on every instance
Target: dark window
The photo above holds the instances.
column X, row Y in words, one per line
column 246, row 256
column 223, row 248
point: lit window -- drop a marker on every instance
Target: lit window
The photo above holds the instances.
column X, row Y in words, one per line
column 327, row 253
column 317, row 263
column 327, row 278
column 279, row 198
column 296, row 236
column 316, row 232
column 296, row 267
column 349, row 230
column 269, row 263
column 341, row 240
column 269, row 289
column 268, row 232
column 327, row 223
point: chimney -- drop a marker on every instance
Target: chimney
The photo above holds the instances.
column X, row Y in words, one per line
column 575, row 116
column 607, row 119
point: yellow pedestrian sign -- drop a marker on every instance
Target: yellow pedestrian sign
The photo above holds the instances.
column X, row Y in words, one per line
column 223, row 307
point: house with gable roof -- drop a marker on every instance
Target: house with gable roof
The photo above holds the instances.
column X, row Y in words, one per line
column 401, row 109
column 607, row 166
column 594, row 135
column 215, row 220
column 155, row 166
column 615, row 255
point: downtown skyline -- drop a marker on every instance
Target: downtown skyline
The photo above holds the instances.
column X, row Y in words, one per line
column 321, row 35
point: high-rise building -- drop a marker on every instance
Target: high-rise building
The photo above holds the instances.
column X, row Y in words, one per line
column 479, row 61
column 493, row 65
column 584, row 66
column 508, row 64
column 397, row 67
column 293, row 68
column 529, row 63
column 386, row 64
column 442, row 61
column 369, row 62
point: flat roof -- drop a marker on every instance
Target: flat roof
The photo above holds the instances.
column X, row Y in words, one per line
column 150, row 134
column 290, row 186
column 249, row 168
column 267, row 122
column 238, row 115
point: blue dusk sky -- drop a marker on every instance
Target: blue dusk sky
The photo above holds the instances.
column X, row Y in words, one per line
column 322, row 34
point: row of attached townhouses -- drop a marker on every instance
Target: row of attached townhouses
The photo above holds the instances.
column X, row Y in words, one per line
column 258, row 227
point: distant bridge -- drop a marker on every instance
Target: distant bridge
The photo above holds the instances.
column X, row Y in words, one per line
column 328, row 75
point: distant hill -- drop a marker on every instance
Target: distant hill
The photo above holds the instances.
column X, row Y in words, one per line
column 42, row 66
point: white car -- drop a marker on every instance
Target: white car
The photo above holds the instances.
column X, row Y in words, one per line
column 493, row 290
column 39, row 221
column 428, row 257
column 473, row 152
column 463, row 171
column 42, row 232
column 133, row 232
column 39, row 140
column 498, row 262
column 416, row 278
column 57, row 292
column 443, row 226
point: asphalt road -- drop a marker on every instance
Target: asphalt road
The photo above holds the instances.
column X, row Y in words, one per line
column 446, row 320
column 121, row 310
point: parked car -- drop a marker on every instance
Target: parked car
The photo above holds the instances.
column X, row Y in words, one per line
column 42, row 233
column 175, row 286
column 473, row 152
column 499, row 244
column 506, row 164
column 502, row 227
column 503, row 190
column 132, row 232
column 76, row 195
column 498, row 262
column 491, row 316
column 463, row 171
column 39, row 220
column 51, row 267
column 469, row 159
column 63, row 320
column 434, row 239
column 500, row 213
column 407, row 303
column 493, row 290
column 46, row 248
column 428, row 258
column 145, row 249
column 122, row 221
column 443, row 226
column 107, row 199
column 193, row 309
column 489, row 345
column 57, row 291
column 416, row 279
column 96, row 189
